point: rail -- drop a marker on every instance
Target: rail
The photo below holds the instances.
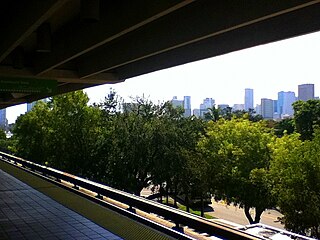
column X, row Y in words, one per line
column 179, row 217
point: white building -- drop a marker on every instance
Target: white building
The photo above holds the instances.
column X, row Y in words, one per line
column 257, row 109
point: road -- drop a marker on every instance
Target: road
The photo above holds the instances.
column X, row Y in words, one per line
column 236, row 215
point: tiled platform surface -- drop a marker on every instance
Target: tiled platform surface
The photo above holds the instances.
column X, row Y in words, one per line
column 25, row 213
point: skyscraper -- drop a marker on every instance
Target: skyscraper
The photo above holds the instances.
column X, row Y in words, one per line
column 238, row 107
column 267, row 108
column 30, row 106
column 207, row 103
column 285, row 101
column 176, row 103
column 305, row 92
column 275, row 106
column 248, row 99
column 3, row 119
column 187, row 106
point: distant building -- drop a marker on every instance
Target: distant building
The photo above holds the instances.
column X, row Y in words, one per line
column 196, row 112
column 285, row 101
column 275, row 106
column 248, row 99
column 177, row 103
column 3, row 119
column 238, row 107
column 30, row 106
column 184, row 104
column 267, row 108
column 305, row 92
column 207, row 103
column 257, row 109
column 187, row 106
column 223, row 106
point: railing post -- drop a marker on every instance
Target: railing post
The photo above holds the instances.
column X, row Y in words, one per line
column 131, row 209
column 99, row 196
column 178, row 227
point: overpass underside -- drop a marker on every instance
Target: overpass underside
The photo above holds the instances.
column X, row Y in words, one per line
column 49, row 47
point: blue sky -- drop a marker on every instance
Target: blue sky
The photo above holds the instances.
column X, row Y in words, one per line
column 268, row 69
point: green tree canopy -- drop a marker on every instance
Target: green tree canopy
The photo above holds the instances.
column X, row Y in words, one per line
column 295, row 175
column 285, row 126
column 32, row 133
column 306, row 116
column 239, row 155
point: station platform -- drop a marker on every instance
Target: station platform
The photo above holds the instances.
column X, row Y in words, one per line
column 32, row 208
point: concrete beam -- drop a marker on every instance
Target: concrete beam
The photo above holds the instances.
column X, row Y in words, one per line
column 194, row 23
column 133, row 15
column 27, row 17
column 66, row 76
column 300, row 22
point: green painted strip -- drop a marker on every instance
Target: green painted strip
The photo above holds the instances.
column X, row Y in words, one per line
column 114, row 222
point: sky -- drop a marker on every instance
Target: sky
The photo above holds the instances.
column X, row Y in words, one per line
column 268, row 69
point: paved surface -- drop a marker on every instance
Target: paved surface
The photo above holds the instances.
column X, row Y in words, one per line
column 236, row 215
column 26, row 213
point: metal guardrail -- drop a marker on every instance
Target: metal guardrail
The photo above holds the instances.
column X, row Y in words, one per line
column 197, row 223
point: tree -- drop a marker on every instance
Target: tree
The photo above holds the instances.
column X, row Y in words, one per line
column 31, row 132
column 306, row 116
column 73, row 132
column 285, row 126
column 295, row 175
column 238, row 154
column 135, row 138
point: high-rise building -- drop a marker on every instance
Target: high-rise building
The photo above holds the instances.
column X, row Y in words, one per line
column 257, row 109
column 196, row 112
column 238, row 107
column 30, row 106
column 285, row 101
column 207, row 103
column 305, row 92
column 223, row 106
column 267, row 108
column 187, row 106
column 248, row 99
column 275, row 106
column 3, row 119
column 176, row 103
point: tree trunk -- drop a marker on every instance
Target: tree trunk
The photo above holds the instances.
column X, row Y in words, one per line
column 138, row 191
column 175, row 197
column 259, row 212
column 167, row 194
column 202, row 206
column 186, row 200
column 247, row 213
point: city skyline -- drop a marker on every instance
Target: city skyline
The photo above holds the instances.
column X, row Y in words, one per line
column 268, row 69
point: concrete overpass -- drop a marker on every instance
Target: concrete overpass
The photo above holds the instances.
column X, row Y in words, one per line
column 49, row 47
